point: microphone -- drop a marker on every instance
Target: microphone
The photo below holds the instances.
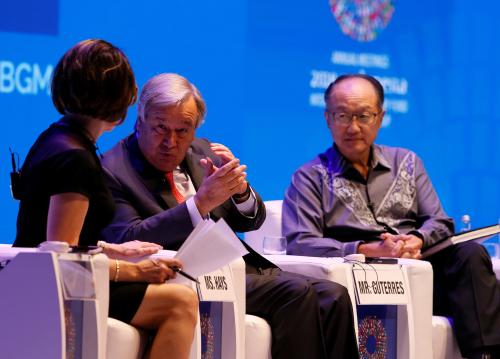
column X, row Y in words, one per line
column 15, row 177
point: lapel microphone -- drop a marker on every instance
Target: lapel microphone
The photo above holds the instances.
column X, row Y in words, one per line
column 15, row 176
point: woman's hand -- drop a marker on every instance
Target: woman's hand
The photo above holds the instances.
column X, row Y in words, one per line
column 156, row 270
column 131, row 249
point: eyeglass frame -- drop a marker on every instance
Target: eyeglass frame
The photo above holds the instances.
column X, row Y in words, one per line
column 351, row 118
column 161, row 131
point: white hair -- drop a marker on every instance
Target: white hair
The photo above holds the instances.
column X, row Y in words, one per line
column 169, row 89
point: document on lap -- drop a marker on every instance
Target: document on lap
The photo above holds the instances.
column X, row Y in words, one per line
column 479, row 235
column 210, row 246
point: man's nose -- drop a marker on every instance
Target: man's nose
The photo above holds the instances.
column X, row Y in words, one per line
column 170, row 139
column 353, row 126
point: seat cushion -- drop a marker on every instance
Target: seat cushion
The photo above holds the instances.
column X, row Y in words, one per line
column 125, row 341
column 257, row 338
column 444, row 343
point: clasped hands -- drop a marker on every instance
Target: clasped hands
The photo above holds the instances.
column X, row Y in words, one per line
column 220, row 183
column 393, row 245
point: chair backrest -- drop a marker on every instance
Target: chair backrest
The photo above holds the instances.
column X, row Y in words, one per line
column 270, row 227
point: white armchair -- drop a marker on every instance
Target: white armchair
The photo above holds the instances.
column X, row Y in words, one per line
column 429, row 329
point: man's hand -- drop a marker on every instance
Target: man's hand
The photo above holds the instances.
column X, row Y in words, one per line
column 394, row 245
column 219, row 184
column 412, row 247
column 387, row 247
column 226, row 155
column 131, row 249
column 222, row 151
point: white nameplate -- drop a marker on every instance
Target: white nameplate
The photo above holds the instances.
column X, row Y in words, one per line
column 217, row 286
column 380, row 284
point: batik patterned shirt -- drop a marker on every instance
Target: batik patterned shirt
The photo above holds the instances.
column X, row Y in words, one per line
column 329, row 208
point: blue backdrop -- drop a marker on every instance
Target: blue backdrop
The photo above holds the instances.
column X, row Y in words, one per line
column 262, row 67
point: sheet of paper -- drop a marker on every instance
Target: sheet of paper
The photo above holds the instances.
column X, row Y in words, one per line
column 210, row 247
column 200, row 230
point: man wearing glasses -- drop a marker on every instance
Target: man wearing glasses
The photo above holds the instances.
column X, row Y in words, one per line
column 359, row 197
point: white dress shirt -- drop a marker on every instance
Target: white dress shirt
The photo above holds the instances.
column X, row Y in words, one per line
column 185, row 186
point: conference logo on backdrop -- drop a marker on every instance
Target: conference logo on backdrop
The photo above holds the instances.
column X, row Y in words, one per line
column 362, row 20
column 24, row 78
column 27, row 17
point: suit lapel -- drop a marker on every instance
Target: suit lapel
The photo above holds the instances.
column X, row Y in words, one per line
column 163, row 194
column 151, row 178
column 195, row 171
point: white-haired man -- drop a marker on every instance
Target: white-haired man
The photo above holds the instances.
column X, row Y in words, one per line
column 164, row 181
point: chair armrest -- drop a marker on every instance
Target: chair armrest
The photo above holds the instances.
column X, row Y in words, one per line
column 100, row 263
column 39, row 274
column 239, row 279
column 333, row 269
column 238, row 274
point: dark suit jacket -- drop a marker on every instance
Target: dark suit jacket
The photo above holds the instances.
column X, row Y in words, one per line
column 146, row 209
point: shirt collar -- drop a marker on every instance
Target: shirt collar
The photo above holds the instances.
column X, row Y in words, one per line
column 340, row 166
column 379, row 160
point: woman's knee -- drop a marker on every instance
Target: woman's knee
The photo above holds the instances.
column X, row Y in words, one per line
column 180, row 302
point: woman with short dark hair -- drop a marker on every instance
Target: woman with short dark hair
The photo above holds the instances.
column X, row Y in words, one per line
column 64, row 196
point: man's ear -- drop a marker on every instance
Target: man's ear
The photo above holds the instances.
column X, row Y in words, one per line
column 327, row 118
column 138, row 123
column 381, row 118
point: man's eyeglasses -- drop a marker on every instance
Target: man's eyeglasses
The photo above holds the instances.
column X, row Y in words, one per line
column 161, row 130
column 345, row 118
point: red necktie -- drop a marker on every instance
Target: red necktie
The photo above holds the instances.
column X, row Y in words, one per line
column 175, row 192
